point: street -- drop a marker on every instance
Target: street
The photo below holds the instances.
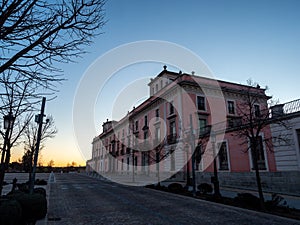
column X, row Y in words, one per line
column 79, row 199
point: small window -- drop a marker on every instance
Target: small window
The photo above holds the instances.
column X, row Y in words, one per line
column 256, row 110
column 128, row 163
column 146, row 120
column 157, row 114
column 202, row 126
column 201, row 103
column 136, row 125
column 231, row 108
column 172, row 127
column 171, row 108
column 157, row 134
column 145, row 135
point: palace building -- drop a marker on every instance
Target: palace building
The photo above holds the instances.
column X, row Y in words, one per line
column 187, row 122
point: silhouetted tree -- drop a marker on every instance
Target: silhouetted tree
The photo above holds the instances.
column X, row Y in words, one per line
column 254, row 119
column 30, row 139
column 37, row 35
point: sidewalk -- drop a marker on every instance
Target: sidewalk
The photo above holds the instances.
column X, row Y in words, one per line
column 231, row 192
column 292, row 201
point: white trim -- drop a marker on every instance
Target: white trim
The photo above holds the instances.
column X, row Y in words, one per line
column 265, row 154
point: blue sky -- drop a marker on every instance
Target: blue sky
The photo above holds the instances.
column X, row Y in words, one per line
column 236, row 39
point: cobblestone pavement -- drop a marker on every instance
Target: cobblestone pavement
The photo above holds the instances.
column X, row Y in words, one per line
column 79, row 199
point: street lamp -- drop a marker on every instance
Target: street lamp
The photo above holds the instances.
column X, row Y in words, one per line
column 8, row 120
column 215, row 179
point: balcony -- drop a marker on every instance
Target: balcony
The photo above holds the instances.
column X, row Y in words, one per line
column 172, row 138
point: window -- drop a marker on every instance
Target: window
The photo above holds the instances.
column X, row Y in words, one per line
column 156, row 88
column 145, row 135
column 298, row 137
column 161, row 84
column 171, row 108
column 172, row 127
column 146, row 121
column 256, row 111
column 172, row 160
column 157, row 134
column 223, row 156
column 261, row 163
column 230, row 106
column 172, row 136
column 128, row 163
column 136, row 125
column 202, row 126
column 201, row 103
column 157, row 114
column 144, row 160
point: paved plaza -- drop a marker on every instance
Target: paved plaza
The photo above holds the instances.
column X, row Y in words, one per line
column 79, row 199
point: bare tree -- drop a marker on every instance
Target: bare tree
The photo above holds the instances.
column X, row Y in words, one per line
column 30, row 139
column 17, row 103
column 51, row 163
column 37, row 35
column 254, row 120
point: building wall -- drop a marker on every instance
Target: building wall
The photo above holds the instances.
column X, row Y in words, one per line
column 287, row 152
column 107, row 155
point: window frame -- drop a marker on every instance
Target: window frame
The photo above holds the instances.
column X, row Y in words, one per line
column 264, row 152
column 219, row 144
column 204, row 103
column 231, row 108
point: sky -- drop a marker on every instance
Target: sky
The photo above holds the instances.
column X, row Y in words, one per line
column 237, row 40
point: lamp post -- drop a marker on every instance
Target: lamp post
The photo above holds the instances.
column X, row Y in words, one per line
column 8, row 122
column 215, row 179
column 39, row 119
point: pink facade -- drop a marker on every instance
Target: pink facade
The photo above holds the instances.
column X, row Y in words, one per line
column 179, row 116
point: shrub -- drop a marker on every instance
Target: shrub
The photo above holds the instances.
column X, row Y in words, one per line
column 175, row 188
column 40, row 190
column 277, row 201
column 10, row 212
column 205, row 188
column 24, row 187
column 34, row 206
column 40, row 182
column 248, row 200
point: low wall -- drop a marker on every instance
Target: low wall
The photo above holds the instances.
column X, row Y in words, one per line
column 277, row 182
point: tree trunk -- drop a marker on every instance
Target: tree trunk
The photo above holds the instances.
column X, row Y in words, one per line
column 257, row 175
